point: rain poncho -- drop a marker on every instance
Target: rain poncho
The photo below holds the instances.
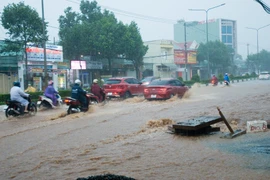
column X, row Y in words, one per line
column 17, row 94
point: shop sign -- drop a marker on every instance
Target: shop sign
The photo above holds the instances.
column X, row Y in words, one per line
column 94, row 65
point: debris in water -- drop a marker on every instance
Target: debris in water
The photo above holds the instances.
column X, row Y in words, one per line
column 107, row 176
column 159, row 123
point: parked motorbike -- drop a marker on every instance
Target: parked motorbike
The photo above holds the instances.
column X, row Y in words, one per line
column 45, row 102
column 75, row 105
column 16, row 109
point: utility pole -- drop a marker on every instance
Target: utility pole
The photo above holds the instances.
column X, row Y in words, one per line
column 44, row 48
column 185, row 31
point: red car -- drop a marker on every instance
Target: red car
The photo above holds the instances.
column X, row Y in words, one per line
column 164, row 88
column 123, row 87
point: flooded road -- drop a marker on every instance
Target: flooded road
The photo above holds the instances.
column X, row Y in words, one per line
column 130, row 138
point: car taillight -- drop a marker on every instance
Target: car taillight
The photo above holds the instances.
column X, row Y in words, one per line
column 146, row 90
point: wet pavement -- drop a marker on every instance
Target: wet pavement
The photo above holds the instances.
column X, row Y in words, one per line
column 129, row 138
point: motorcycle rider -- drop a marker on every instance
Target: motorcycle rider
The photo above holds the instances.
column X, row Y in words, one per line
column 78, row 93
column 17, row 94
column 97, row 90
column 226, row 79
column 214, row 80
column 50, row 92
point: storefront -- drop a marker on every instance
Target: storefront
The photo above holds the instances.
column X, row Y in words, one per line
column 56, row 69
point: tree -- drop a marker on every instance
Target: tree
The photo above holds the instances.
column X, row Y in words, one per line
column 24, row 25
column 69, row 25
column 259, row 61
column 219, row 55
column 134, row 49
column 99, row 34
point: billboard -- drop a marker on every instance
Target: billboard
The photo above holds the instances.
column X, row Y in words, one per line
column 53, row 53
column 179, row 57
column 77, row 64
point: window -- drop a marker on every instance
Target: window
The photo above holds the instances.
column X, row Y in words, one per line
column 178, row 83
column 129, row 81
column 229, row 39
column 224, row 30
column 224, row 40
column 229, row 29
column 135, row 81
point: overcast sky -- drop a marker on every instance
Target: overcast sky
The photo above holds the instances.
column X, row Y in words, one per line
column 147, row 13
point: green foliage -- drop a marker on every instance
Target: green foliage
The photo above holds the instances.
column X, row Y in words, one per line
column 219, row 55
column 253, row 74
column 259, row 61
column 95, row 33
column 22, row 23
column 196, row 78
column 134, row 49
column 220, row 77
column 180, row 79
column 34, row 95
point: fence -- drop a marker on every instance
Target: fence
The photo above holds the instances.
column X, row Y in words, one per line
column 6, row 82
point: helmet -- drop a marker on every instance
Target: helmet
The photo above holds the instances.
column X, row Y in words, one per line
column 95, row 81
column 77, row 81
column 17, row 83
column 226, row 73
column 50, row 82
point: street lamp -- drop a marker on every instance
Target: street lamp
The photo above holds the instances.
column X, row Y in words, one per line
column 206, row 12
column 257, row 29
column 258, row 34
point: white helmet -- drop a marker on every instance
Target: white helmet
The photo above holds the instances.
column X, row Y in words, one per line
column 77, row 81
column 95, row 81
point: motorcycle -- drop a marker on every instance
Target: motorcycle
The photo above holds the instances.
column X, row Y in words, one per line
column 15, row 108
column 45, row 102
column 75, row 105
column 95, row 100
column 214, row 83
column 226, row 83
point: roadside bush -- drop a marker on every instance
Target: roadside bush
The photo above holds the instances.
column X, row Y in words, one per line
column 195, row 78
column 34, row 96
column 220, row 77
column 180, row 79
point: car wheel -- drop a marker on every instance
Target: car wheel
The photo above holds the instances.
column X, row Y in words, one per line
column 127, row 95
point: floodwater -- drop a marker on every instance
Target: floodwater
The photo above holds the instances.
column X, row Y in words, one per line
column 130, row 138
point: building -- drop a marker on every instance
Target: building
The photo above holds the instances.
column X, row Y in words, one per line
column 159, row 59
column 223, row 30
